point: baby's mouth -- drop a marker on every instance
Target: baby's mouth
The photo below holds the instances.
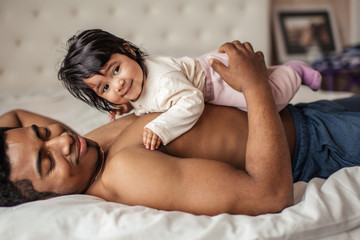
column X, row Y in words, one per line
column 127, row 90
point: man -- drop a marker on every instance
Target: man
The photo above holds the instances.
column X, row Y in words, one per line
column 250, row 172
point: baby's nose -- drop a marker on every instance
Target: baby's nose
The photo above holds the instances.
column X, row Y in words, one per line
column 119, row 85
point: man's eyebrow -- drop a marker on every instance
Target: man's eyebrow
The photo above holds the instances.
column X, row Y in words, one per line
column 38, row 160
column 36, row 130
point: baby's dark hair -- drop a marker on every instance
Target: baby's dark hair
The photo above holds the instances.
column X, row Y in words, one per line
column 87, row 54
column 17, row 192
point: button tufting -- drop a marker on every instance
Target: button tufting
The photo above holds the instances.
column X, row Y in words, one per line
column 57, row 40
column 201, row 34
column 35, row 13
column 74, row 12
column 216, row 8
column 167, row 35
column 184, row 9
column 111, row 11
column 18, row 42
column 150, row 10
column 39, row 69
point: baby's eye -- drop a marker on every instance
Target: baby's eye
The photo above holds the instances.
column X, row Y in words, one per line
column 105, row 88
column 116, row 70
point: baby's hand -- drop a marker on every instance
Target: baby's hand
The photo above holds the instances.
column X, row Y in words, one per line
column 120, row 110
column 151, row 140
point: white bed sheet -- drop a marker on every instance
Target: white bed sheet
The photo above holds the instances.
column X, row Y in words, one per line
column 324, row 209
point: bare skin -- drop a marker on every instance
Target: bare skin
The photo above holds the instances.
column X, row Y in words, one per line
column 253, row 172
column 220, row 134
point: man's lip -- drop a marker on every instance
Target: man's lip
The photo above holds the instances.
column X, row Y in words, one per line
column 82, row 147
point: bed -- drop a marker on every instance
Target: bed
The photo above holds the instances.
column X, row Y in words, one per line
column 32, row 42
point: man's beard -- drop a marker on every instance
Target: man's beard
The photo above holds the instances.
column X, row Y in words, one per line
column 100, row 163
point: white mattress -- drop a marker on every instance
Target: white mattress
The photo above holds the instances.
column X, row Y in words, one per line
column 324, row 209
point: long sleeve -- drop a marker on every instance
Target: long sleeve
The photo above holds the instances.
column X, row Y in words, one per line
column 176, row 88
column 182, row 104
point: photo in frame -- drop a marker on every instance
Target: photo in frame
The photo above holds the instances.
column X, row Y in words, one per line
column 304, row 33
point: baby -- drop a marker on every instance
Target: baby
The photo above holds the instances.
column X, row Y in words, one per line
column 114, row 75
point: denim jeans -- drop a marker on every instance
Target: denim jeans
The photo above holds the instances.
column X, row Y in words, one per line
column 327, row 137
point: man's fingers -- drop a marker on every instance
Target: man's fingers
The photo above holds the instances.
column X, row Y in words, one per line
column 217, row 66
column 260, row 54
column 237, row 44
column 228, row 46
column 248, row 46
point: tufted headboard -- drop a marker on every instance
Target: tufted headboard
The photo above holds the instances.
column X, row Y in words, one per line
column 34, row 32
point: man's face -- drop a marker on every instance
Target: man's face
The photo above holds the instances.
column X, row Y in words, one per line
column 52, row 158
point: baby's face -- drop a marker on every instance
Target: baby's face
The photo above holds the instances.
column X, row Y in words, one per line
column 121, row 80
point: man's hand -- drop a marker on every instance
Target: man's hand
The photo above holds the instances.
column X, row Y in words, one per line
column 246, row 68
column 151, row 140
column 120, row 110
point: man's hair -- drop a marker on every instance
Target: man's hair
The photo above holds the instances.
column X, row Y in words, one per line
column 87, row 54
column 21, row 191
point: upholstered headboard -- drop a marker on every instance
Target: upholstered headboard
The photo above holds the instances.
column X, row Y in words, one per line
column 33, row 32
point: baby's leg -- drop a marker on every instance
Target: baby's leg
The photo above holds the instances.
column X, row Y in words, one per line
column 309, row 76
column 224, row 95
column 218, row 92
column 284, row 82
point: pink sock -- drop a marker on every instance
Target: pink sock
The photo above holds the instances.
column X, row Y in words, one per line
column 309, row 76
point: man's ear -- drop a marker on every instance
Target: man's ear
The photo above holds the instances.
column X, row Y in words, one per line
column 129, row 49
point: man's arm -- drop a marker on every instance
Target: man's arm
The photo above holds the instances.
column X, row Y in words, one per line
column 267, row 160
column 23, row 118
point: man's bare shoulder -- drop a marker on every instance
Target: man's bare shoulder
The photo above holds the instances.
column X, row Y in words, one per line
column 116, row 177
column 136, row 176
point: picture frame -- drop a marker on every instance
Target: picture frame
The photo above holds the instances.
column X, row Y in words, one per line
column 305, row 33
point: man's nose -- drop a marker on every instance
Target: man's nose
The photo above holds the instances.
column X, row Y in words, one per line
column 61, row 144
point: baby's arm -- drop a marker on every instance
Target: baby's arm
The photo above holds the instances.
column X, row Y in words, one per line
column 181, row 109
column 151, row 140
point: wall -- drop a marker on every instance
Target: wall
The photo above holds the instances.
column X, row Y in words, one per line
column 355, row 22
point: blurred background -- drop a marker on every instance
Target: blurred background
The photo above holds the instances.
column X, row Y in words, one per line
column 340, row 67
column 34, row 32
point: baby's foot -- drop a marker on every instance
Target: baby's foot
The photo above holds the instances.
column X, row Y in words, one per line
column 309, row 76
